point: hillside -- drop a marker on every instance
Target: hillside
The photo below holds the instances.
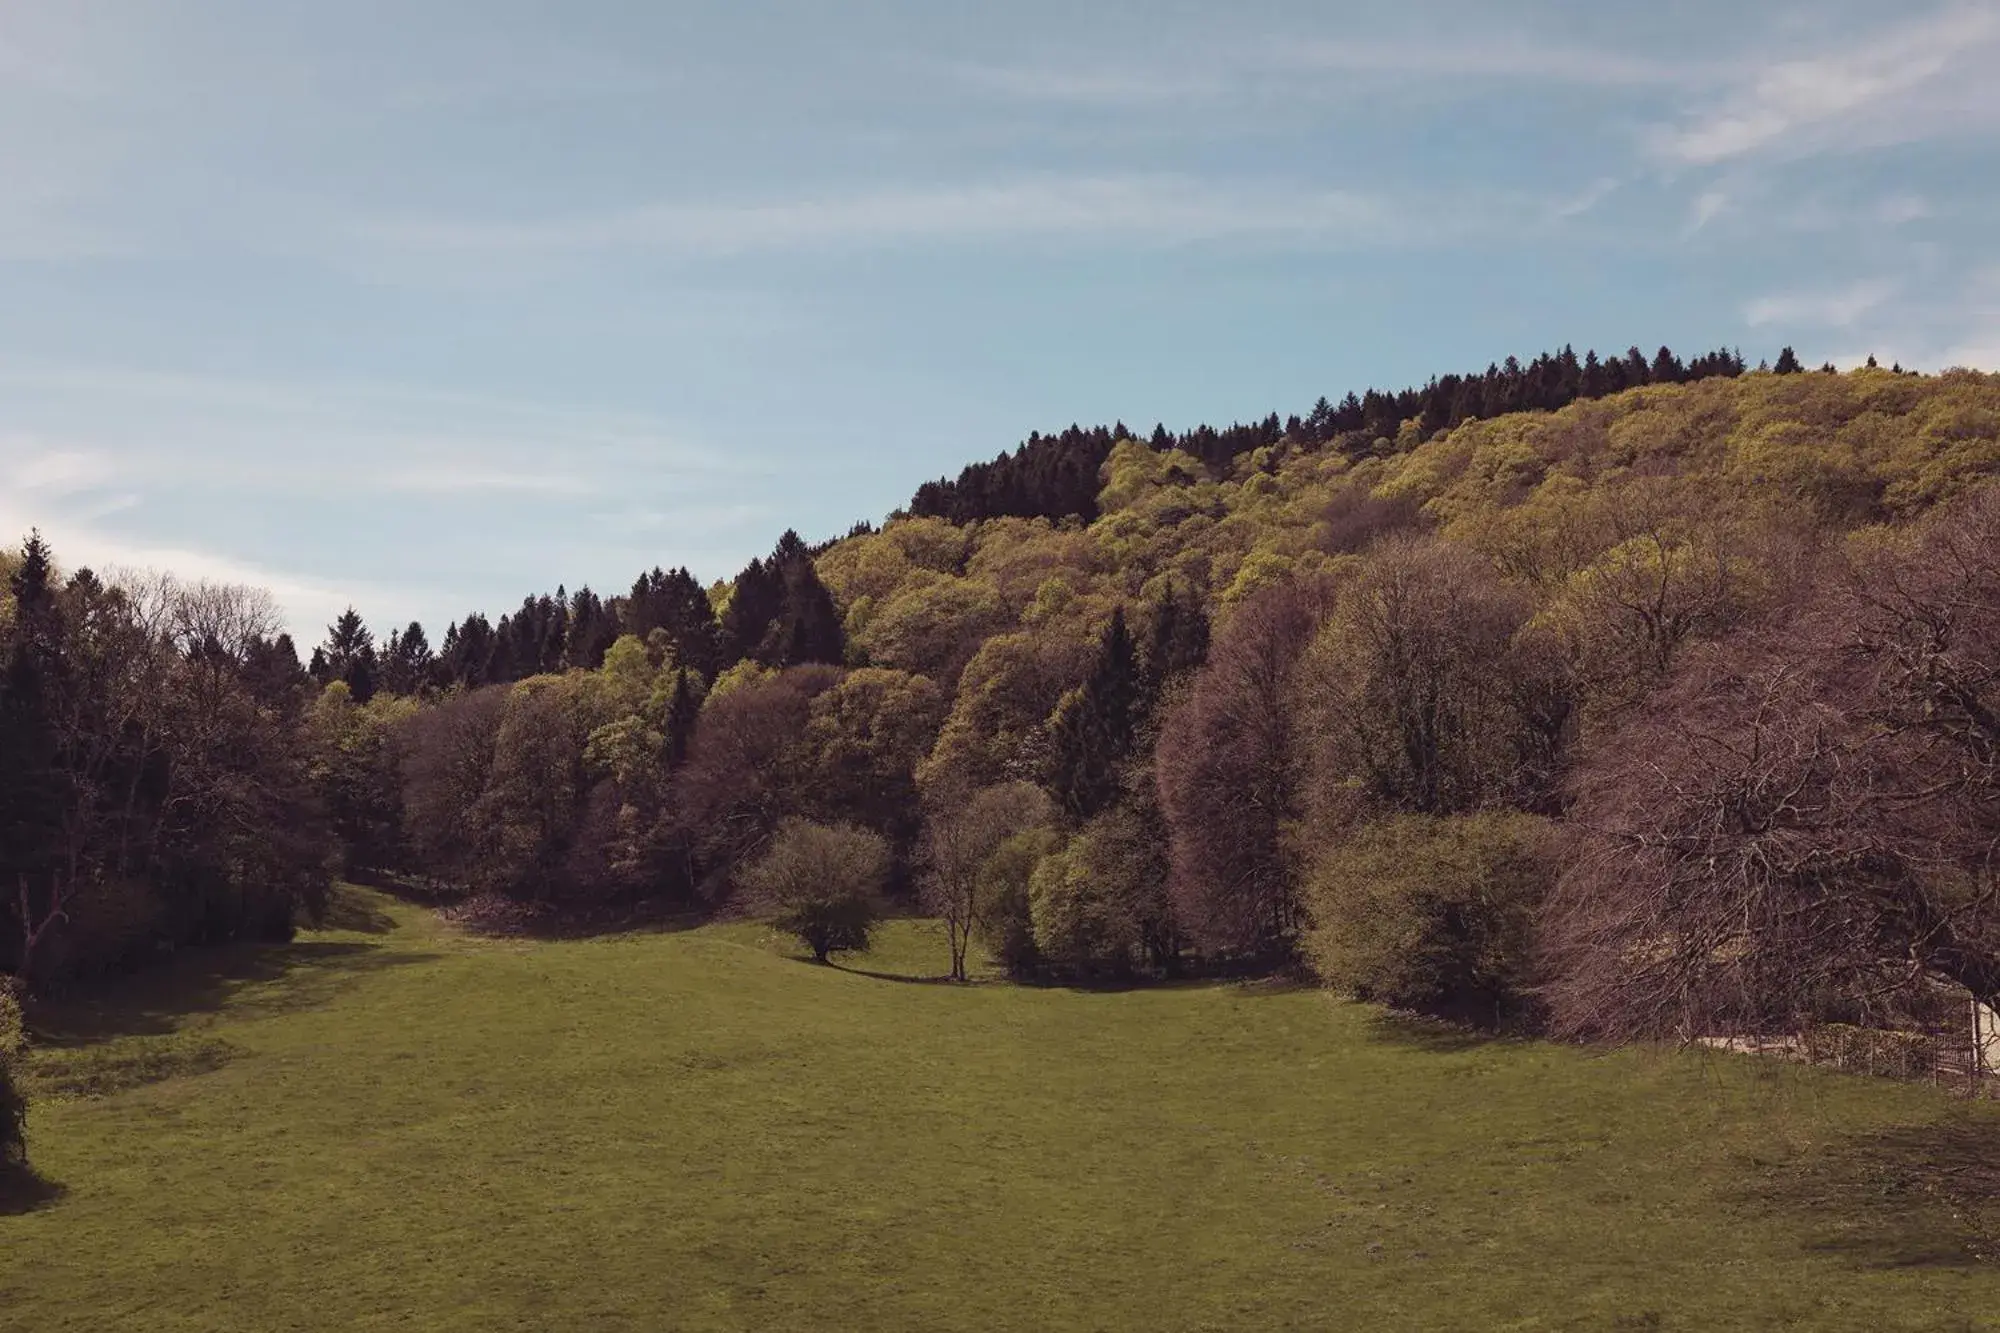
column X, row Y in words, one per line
column 1665, row 715
column 395, row 1125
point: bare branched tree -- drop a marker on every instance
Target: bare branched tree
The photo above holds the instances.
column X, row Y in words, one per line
column 1805, row 820
column 957, row 843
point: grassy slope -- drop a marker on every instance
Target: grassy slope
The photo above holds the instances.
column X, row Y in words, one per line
column 397, row 1127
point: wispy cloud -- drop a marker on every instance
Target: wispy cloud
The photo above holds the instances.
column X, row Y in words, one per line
column 1840, row 308
column 57, row 471
column 1156, row 210
column 307, row 602
column 1905, row 82
column 337, row 436
column 1492, row 56
column 353, row 481
column 1707, row 207
column 1465, row 64
column 1148, row 208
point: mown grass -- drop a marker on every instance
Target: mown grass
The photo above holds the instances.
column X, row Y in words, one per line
column 399, row 1127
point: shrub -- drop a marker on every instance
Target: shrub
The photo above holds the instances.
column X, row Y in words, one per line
column 1085, row 924
column 13, row 1106
column 1004, row 919
column 822, row 883
column 1433, row 914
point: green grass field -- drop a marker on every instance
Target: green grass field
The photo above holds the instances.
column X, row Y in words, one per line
column 394, row 1126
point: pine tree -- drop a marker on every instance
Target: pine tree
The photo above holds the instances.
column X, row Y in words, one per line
column 1788, row 363
column 1093, row 727
column 349, row 655
column 407, row 660
column 683, row 711
column 808, row 629
column 1177, row 641
column 271, row 669
column 34, row 784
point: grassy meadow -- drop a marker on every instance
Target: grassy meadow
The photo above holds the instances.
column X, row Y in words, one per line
column 392, row 1125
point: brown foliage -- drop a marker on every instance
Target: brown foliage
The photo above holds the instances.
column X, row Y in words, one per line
column 1229, row 777
column 743, row 769
column 447, row 752
column 1805, row 819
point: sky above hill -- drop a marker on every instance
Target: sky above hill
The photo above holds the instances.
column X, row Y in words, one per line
column 427, row 306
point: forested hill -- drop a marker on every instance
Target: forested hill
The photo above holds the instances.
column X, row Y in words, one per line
column 1053, row 476
column 1306, row 703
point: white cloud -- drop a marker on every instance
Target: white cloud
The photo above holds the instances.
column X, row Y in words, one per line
column 1164, row 209
column 1908, row 82
column 195, row 473
column 1490, row 56
column 1708, row 206
column 1585, row 199
column 1841, row 308
column 1453, row 65
column 56, row 472
column 307, row 603
column 1900, row 209
column 1160, row 210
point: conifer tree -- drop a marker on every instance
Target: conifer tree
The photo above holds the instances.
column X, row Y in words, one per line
column 683, row 711
column 33, row 784
column 1093, row 727
column 808, row 629
column 1177, row 641
column 1788, row 363
column 348, row 655
column 758, row 599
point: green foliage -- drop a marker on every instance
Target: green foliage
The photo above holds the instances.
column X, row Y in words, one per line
column 13, row 1024
column 13, row 1101
column 1082, row 903
column 1433, row 914
column 13, row 1125
column 1005, row 915
column 821, row 883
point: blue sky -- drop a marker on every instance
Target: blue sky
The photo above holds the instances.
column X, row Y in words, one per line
column 430, row 305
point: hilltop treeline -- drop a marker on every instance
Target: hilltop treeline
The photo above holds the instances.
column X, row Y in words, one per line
column 1055, row 476
column 1666, row 712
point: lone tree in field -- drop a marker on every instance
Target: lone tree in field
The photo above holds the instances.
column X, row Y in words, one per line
column 822, row 883
column 957, row 844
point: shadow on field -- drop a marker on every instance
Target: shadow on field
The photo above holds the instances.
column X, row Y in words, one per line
column 1917, row 1196
column 902, row 978
column 493, row 916
column 356, row 914
column 1435, row 1036
column 22, row 1191
column 244, row 978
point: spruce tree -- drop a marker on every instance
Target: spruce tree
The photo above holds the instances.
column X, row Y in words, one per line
column 758, row 600
column 34, row 784
column 1177, row 641
column 683, row 710
column 1788, row 363
column 1094, row 725
column 808, row 629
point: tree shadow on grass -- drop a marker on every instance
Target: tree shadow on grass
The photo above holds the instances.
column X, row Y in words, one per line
column 902, row 978
column 22, row 1191
column 1435, row 1036
column 1915, row 1196
column 496, row 917
column 256, row 979
column 354, row 913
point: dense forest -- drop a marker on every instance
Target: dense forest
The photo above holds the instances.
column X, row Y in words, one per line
column 1617, row 699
